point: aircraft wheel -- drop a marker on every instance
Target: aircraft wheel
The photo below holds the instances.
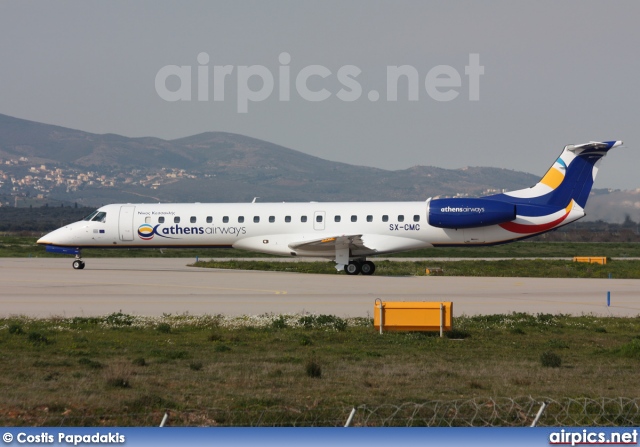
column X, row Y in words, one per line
column 368, row 268
column 78, row 264
column 352, row 268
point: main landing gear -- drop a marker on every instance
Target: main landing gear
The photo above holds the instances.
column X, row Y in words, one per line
column 357, row 266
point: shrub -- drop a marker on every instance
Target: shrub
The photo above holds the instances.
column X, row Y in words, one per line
column 119, row 382
column 90, row 363
column 279, row 323
column 195, row 366
column 38, row 339
column 140, row 361
column 119, row 375
column 165, row 328
column 119, row 319
column 631, row 349
column 15, row 329
column 457, row 334
column 313, row 369
column 323, row 321
column 222, row 348
column 550, row 360
column 214, row 337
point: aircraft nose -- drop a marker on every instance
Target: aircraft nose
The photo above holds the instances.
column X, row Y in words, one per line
column 61, row 236
column 48, row 239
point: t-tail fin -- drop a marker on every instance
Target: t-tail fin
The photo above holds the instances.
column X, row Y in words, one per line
column 569, row 178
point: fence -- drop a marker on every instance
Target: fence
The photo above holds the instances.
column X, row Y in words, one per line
column 479, row 412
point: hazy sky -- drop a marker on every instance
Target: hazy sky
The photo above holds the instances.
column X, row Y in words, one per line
column 554, row 73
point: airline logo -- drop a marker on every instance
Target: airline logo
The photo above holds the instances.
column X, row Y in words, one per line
column 466, row 209
column 147, row 232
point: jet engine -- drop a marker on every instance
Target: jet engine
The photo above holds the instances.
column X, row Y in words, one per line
column 469, row 213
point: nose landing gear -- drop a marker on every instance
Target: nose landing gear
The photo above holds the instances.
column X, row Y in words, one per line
column 78, row 263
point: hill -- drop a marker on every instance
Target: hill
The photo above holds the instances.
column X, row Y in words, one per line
column 42, row 163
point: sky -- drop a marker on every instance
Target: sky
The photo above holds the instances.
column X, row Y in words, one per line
column 493, row 83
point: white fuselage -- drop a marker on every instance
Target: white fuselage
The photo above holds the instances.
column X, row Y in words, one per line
column 275, row 228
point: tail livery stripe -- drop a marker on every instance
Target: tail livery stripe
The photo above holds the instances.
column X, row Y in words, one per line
column 538, row 228
column 553, row 178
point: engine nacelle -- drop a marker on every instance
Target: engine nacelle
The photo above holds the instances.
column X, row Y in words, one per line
column 469, row 213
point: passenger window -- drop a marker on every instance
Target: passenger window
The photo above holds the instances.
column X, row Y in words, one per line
column 385, row 218
column 369, row 218
column 416, row 218
column 354, row 218
column 176, row 219
column 241, row 219
column 225, row 219
column 209, row 219
column 272, row 219
column 161, row 219
column 303, row 218
column 193, row 219
column 336, row 219
column 147, row 219
column 256, row 219
column 319, row 218
column 400, row 218
column 287, row 219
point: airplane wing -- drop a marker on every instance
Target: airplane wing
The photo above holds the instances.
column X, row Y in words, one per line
column 357, row 244
column 352, row 241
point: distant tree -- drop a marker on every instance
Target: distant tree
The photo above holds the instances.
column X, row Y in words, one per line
column 628, row 223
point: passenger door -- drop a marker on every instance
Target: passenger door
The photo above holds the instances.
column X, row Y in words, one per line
column 125, row 222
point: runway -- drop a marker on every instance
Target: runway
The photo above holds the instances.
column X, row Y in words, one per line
column 37, row 287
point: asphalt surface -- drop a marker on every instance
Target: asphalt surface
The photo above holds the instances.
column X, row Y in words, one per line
column 50, row 287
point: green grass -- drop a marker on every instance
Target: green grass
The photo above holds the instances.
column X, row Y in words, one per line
column 539, row 268
column 14, row 245
column 121, row 370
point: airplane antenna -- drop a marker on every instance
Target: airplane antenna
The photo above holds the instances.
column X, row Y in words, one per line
column 254, row 199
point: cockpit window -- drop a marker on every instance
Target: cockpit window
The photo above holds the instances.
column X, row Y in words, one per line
column 100, row 217
column 91, row 216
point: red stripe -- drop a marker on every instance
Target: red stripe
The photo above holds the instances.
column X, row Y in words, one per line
column 528, row 229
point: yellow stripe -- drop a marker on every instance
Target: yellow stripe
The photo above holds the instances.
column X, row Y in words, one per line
column 552, row 178
column 568, row 208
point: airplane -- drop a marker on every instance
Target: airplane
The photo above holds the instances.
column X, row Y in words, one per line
column 345, row 232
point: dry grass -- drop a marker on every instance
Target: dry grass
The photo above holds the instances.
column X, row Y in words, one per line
column 92, row 368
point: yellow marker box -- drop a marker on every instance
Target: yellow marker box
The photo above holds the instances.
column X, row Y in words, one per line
column 413, row 315
column 591, row 259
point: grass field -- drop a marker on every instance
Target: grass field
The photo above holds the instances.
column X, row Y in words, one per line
column 213, row 370
column 12, row 245
column 538, row 268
